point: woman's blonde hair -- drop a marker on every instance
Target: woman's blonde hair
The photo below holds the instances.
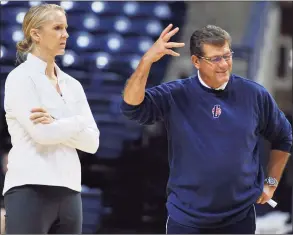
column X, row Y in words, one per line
column 33, row 19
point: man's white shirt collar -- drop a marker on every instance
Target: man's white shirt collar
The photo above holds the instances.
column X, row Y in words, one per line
column 205, row 85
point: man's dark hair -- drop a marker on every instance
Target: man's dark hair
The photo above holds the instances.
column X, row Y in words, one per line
column 209, row 34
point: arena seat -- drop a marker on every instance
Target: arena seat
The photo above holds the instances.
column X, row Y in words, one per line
column 92, row 210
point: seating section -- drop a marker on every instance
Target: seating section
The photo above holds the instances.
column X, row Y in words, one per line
column 107, row 40
column 91, row 204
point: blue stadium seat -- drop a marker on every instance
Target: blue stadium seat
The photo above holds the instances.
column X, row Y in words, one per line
column 97, row 61
column 92, row 210
column 134, row 8
column 5, row 70
column 91, row 22
column 107, row 7
column 107, row 82
column 100, row 102
column 108, row 153
column 8, row 56
column 121, row 132
column 105, row 62
column 96, row 7
column 13, row 34
column 109, row 140
column 147, row 9
column 110, row 43
column 104, row 43
column 80, row 41
column 87, row 42
column 71, row 60
column 27, row 4
column 118, row 125
column 12, row 4
column 136, row 44
column 74, row 6
column 97, row 24
column 122, row 25
column 13, row 16
column 103, row 102
column 147, row 27
column 126, row 63
column 162, row 10
column 2, row 96
column 113, row 136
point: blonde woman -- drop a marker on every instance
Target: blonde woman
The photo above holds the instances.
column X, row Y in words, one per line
column 48, row 118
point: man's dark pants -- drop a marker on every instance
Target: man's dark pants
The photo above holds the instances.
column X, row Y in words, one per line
column 246, row 226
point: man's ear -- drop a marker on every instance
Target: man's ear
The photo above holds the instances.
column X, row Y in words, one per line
column 35, row 35
column 195, row 61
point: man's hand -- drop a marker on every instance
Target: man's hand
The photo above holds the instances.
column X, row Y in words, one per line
column 268, row 193
column 162, row 46
column 40, row 115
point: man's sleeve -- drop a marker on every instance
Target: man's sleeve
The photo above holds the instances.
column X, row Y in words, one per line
column 274, row 125
column 154, row 107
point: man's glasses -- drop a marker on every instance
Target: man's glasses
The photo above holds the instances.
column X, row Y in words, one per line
column 218, row 59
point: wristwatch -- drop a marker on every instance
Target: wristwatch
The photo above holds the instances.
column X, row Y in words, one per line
column 270, row 181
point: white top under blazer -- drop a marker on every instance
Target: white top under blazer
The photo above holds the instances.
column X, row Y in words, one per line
column 45, row 154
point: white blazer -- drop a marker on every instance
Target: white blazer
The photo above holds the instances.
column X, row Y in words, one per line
column 45, row 154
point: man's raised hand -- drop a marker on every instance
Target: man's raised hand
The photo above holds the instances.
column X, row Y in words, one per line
column 162, row 46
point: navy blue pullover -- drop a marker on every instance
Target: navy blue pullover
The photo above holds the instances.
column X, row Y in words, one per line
column 215, row 172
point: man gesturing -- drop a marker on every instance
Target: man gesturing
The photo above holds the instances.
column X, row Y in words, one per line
column 214, row 120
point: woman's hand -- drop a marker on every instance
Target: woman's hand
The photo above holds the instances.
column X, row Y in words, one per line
column 40, row 115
